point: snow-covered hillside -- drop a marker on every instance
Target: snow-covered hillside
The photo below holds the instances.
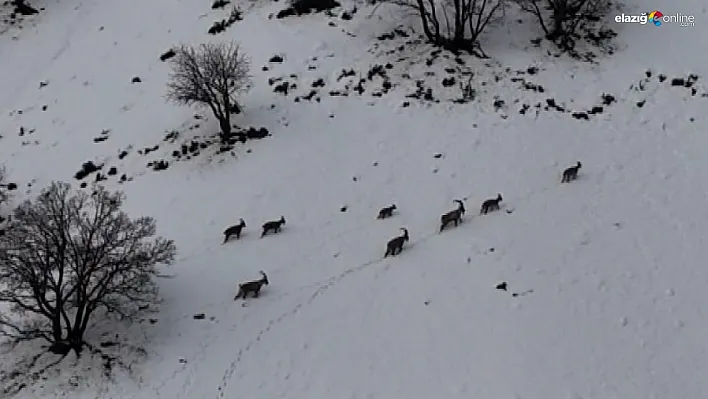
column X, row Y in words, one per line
column 605, row 277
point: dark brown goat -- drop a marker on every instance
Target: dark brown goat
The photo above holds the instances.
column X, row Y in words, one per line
column 234, row 230
column 273, row 225
column 396, row 244
column 454, row 216
column 571, row 173
column 386, row 212
column 253, row 287
column 490, row 205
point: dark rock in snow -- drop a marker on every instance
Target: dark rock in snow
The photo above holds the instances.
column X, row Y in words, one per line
column 300, row 7
column 167, row 55
column 254, row 133
column 282, row 88
column 498, row 104
column 608, row 99
column 219, row 4
column 217, row 27
column 159, row 165
column 148, row 150
column 86, row 169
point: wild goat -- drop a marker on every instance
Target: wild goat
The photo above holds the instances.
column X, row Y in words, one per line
column 253, row 287
column 386, row 212
column 452, row 216
column 273, row 225
column 490, row 205
column 396, row 244
column 234, row 230
column 571, row 173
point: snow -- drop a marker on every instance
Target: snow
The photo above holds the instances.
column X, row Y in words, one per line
column 606, row 277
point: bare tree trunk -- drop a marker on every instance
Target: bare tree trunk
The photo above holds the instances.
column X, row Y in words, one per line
column 459, row 20
column 225, row 124
column 76, row 339
column 559, row 13
column 56, row 328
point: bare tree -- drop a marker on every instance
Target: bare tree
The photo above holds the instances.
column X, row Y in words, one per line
column 560, row 19
column 67, row 255
column 456, row 24
column 210, row 76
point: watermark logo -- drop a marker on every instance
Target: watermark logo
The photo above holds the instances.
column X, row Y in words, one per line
column 657, row 18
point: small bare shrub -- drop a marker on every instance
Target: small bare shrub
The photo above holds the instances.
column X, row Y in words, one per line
column 561, row 20
column 456, row 25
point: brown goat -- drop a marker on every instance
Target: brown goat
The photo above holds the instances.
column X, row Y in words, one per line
column 571, row 173
column 454, row 216
column 234, row 230
column 253, row 287
column 273, row 225
column 396, row 244
column 490, row 205
column 386, row 212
